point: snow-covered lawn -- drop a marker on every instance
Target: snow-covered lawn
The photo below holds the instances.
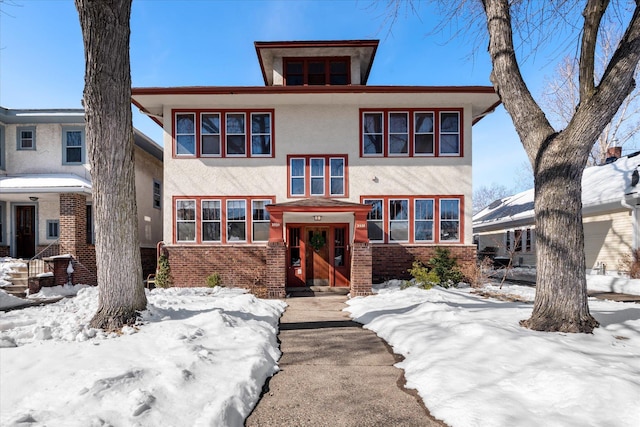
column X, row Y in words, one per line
column 474, row 366
column 200, row 357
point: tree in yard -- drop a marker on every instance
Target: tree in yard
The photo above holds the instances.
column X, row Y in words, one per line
column 562, row 95
column 109, row 134
column 558, row 157
column 483, row 196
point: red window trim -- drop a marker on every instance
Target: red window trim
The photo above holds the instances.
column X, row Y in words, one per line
column 327, row 175
column 305, row 68
column 411, row 215
column 411, row 111
column 223, row 219
column 223, row 112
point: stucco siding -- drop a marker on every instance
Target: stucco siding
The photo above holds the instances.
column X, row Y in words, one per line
column 148, row 169
column 318, row 128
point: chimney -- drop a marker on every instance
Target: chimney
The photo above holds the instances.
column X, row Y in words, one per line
column 613, row 154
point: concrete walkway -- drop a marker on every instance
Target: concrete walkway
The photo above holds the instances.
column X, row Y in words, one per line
column 335, row 373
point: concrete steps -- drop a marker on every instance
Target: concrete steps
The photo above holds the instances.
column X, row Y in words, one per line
column 19, row 278
column 314, row 291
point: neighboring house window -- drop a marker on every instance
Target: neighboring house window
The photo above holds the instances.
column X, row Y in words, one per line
column 449, row 219
column 260, row 220
column 317, row 176
column 517, row 238
column 316, row 71
column 414, row 219
column 2, row 152
column 26, row 138
column 157, row 194
column 222, row 220
column 186, row 220
column 423, row 220
column 53, row 229
column 375, row 220
column 89, row 230
column 73, row 146
column 211, row 221
column 413, row 132
column 528, row 240
column 507, row 242
column 223, row 134
column 399, row 220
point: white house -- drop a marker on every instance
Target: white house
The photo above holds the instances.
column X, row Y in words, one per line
column 45, row 188
column 315, row 178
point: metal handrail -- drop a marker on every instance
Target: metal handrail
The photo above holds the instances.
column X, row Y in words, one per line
column 39, row 256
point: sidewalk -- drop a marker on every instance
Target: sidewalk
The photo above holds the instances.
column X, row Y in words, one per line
column 334, row 373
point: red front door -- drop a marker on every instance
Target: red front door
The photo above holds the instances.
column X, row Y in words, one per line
column 318, row 255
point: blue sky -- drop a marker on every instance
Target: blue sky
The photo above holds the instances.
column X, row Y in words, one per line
column 190, row 42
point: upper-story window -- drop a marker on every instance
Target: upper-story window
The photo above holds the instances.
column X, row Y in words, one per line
column 317, row 175
column 411, row 133
column 73, row 145
column 26, row 138
column 223, row 134
column 316, row 71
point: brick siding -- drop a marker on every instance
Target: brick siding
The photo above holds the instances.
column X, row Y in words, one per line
column 361, row 268
column 276, row 273
column 4, row 251
column 238, row 266
column 393, row 261
column 73, row 239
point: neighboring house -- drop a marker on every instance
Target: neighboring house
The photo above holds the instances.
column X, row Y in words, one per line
column 45, row 189
column 610, row 209
column 315, row 178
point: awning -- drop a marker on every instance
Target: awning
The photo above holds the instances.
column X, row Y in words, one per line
column 44, row 183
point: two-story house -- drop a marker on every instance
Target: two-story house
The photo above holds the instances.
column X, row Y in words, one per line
column 45, row 189
column 315, row 178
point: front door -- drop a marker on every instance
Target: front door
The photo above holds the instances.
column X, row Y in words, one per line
column 25, row 231
column 317, row 254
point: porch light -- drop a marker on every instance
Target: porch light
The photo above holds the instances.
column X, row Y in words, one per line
column 317, row 218
column 33, row 198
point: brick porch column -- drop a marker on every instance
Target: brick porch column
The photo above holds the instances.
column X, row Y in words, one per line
column 73, row 238
column 276, row 269
column 361, row 268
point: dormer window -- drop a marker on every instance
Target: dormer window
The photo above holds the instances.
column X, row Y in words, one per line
column 316, row 71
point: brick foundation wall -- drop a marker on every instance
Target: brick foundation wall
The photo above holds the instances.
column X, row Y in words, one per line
column 361, row 269
column 45, row 251
column 238, row 266
column 393, row 261
column 4, row 251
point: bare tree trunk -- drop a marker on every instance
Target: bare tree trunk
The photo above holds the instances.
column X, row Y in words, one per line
column 559, row 159
column 109, row 133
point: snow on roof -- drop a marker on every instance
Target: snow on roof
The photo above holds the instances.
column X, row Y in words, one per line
column 601, row 185
column 44, row 183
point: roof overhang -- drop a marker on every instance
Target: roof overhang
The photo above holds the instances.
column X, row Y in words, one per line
column 44, row 183
column 363, row 51
column 152, row 100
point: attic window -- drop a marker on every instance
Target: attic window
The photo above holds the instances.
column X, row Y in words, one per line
column 316, row 71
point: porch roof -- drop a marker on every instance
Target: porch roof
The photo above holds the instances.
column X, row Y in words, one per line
column 44, row 183
column 318, row 203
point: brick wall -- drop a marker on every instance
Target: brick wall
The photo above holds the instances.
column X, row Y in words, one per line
column 276, row 272
column 47, row 251
column 4, row 251
column 361, row 269
column 73, row 238
column 238, row 266
column 393, row 261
